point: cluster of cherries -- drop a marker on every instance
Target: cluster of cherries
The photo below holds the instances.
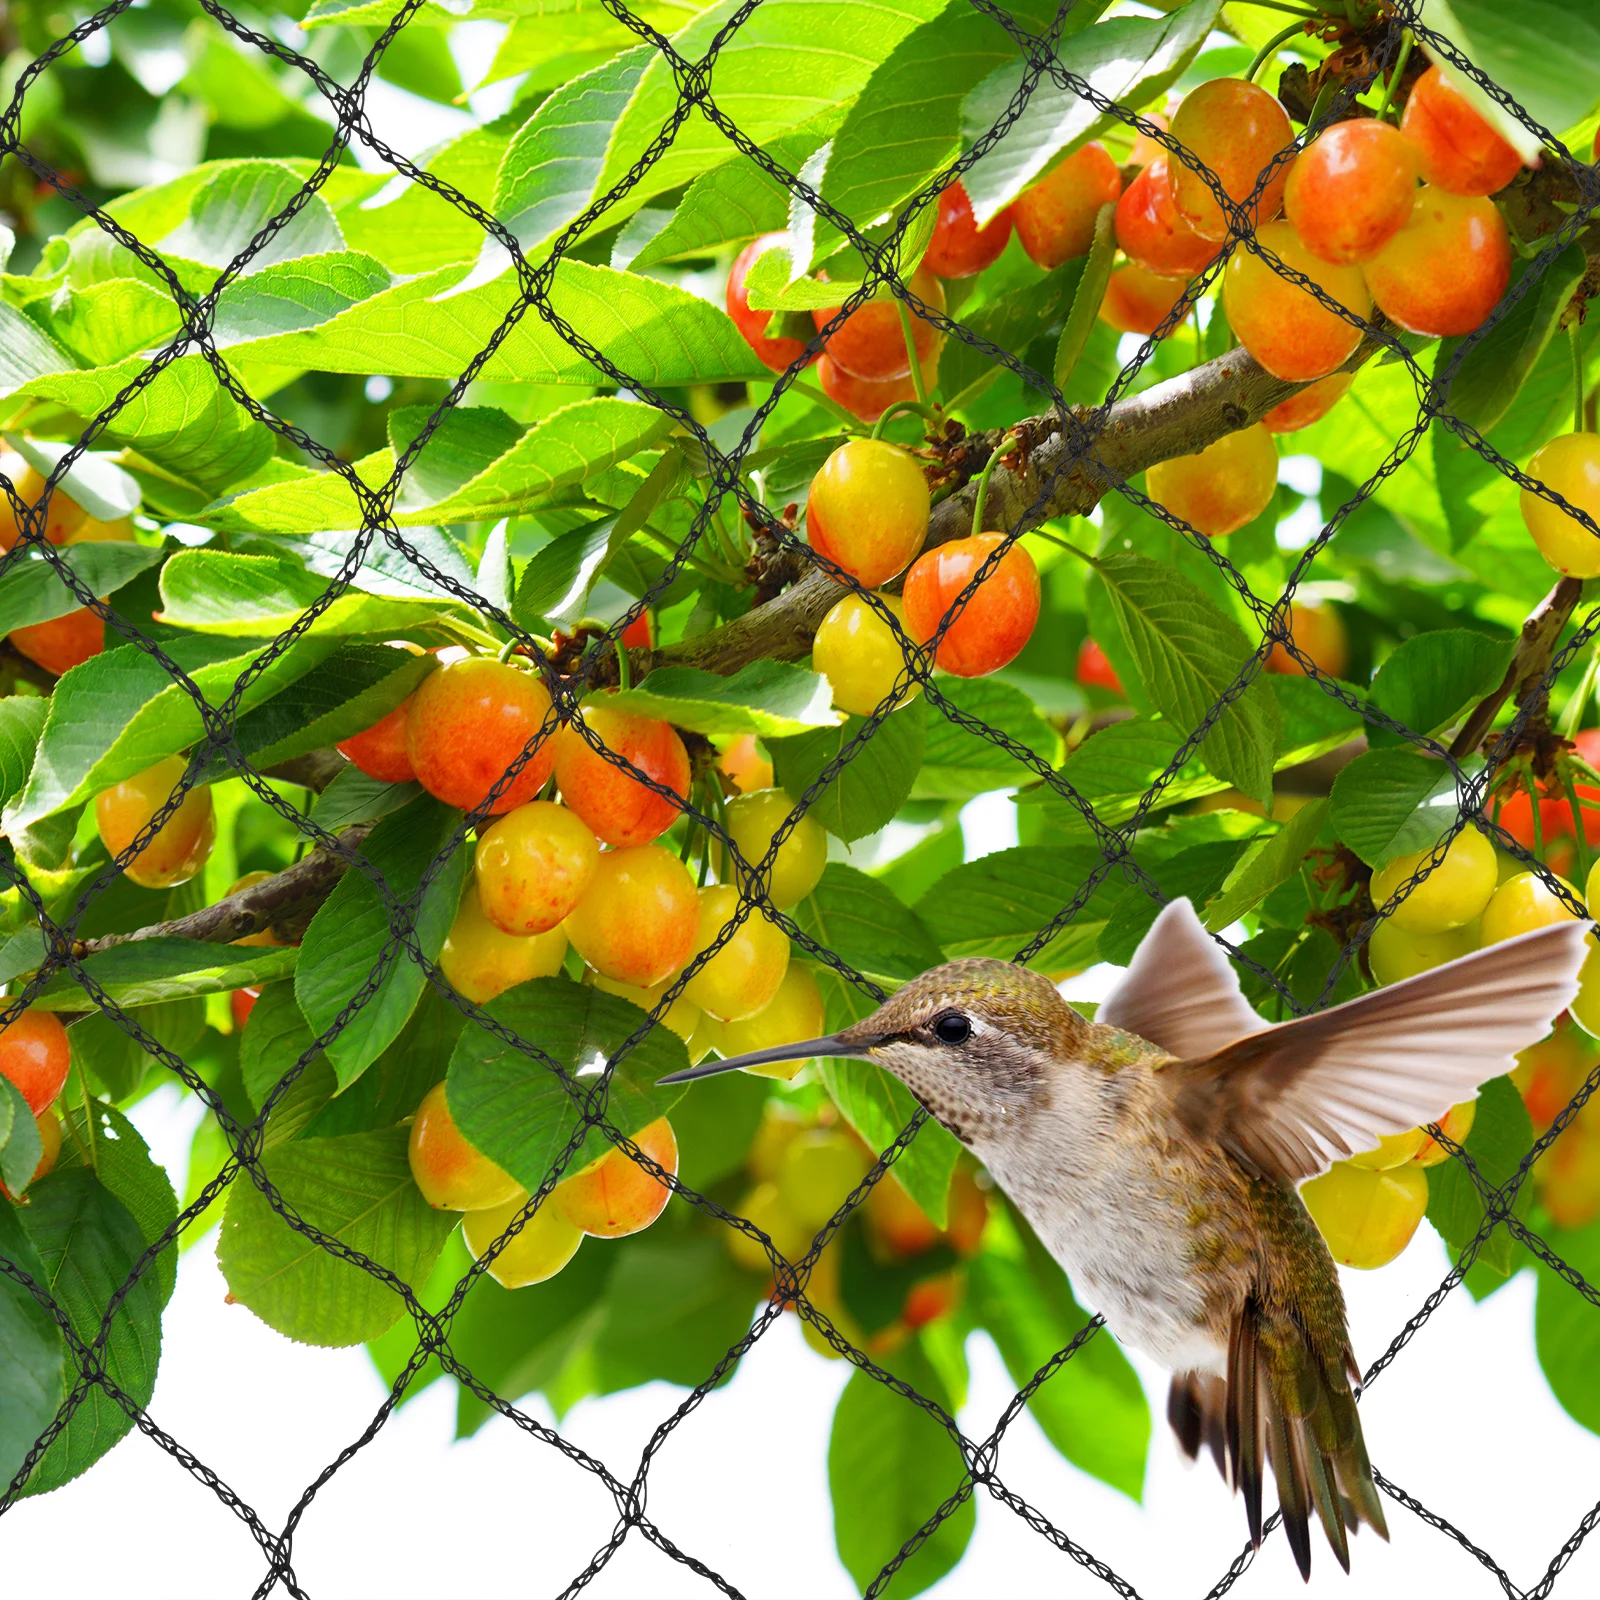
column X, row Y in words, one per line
column 802, row 1168
column 63, row 642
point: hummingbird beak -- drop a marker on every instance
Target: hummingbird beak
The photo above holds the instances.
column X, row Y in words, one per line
column 834, row 1044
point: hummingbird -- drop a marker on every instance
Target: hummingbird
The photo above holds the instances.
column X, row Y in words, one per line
column 1156, row 1151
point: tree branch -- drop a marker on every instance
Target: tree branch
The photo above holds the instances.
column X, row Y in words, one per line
column 284, row 903
column 1175, row 418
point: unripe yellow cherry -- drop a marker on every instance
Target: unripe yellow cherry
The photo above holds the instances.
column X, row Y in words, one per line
column 1570, row 465
column 745, row 972
column 1453, row 893
column 764, row 1206
column 1395, row 953
column 1367, row 1218
column 794, row 1012
column 1393, row 1150
column 1457, row 1124
column 482, row 961
column 857, row 652
column 820, row 1170
column 545, row 1243
column 1523, row 903
column 752, row 820
column 183, row 842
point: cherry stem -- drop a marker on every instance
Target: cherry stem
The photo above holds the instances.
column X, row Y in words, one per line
column 1578, row 702
column 1538, row 819
column 1271, row 48
column 1575, row 338
column 1393, row 82
column 922, row 410
column 1579, row 838
column 508, row 649
column 911, row 351
column 982, row 493
column 624, row 670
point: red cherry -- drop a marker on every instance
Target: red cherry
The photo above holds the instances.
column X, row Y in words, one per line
column 241, row 1002
column 861, row 397
column 34, row 1055
column 1456, row 149
column 1137, row 301
column 1153, row 233
column 869, row 343
column 1312, row 404
column 617, row 806
column 1351, row 192
column 1095, row 669
column 380, row 751
column 959, row 248
column 640, row 634
column 1055, row 218
column 1445, row 271
column 774, row 353
column 1236, row 129
column 996, row 622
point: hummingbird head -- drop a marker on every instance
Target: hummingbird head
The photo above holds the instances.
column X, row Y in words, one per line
column 978, row 1042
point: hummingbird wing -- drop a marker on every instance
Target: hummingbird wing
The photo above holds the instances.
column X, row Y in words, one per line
column 1180, row 992
column 1288, row 1100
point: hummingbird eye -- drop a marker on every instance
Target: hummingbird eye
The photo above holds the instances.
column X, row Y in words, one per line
column 952, row 1028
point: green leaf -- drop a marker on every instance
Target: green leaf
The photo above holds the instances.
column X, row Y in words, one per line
column 33, row 593
column 993, row 906
column 20, row 1149
column 235, row 201
column 434, row 325
column 958, row 764
column 295, row 295
column 1197, row 873
column 1012, row 320
column 346, row 941
column 862, row 922
column 673, row 1307
column 715, row 1124
column 1132, row 60
column 772, row 699
column 876, row 780
column 152, row 971
column 1087, row 299
column 788, row 61
column 87, row 1244
column 1496, row 367
column 1432, row 677
column 556, row 584
column 31, row 1351
column 1092, row 1409
column 890, row 1467
column 1267, row 863
column 358, row 1190
column 1393, row 802
column 354, row 797
column 274, row 1039
column 96, row 482
column 356, row 686
column 1188, row 654
column 120, row 712
column 1500, row 1137
column 1565, row 1331
column 22, row 719
column 515, row 1109
column 548, row 175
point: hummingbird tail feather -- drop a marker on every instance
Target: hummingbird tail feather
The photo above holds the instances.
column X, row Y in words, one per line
column 1285, row 1405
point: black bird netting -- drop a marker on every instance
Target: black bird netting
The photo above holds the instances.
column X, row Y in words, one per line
column 1068, row 447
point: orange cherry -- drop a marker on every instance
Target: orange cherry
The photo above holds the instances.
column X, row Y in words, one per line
column 62, row 643
column 469, row 722
column 615, row 1196
column 931, row 1298
column 1455, row 148
column 616, row 805
column 1352, row 190
column 35, row 1056
column 862, row 398
column 1095, row 669
column 1312, row 404
column 1153, row 233
column 959, row 248
column 1221, row 488
column 640, row 634
column 1291, row 333
column 867, row 510
column 1137, row 301
column 1445, row 271
column 746, row 971
column 533, row 865
column 1319, row 632
column 380, row 751
column 241, row 1002
column 1055, row 217
column 998, row 619
column 638, row 919
column 64, row 518
column 183, row 842
column 481, row 960
column 869, row 343
column 453, row 1174
column 775, row 353
column 1236, row 129
column 744, row 765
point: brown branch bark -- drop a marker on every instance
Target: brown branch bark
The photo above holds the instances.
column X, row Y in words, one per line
column 284, row 903
column 1536, row 645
